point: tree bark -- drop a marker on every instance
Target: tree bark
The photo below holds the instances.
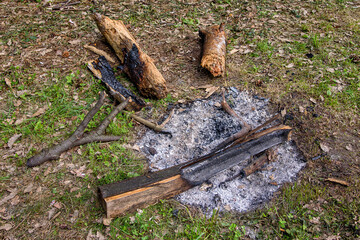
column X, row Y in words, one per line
column 214, row 49
column 135, row 63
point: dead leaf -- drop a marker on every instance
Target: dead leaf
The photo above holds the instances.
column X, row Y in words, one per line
column 291, row 65
column 301, row 109
column 65, row 54
column 272, row 22
column 107, row 221
column 51, row 213
column 132, row 219
column 43, row 51
column 29, row 188
column 39, row 112
column 349, row 148
column 324, row 147
column 17, row 103
column 205, row 86
column 211, row 91
column 74, row 216
column 74, row 42
column 313, row 100
column 78, row 172
column 315, row 220
column 233, row 51
column 15, row 201
column 8, row 82
column 13, row 139
column 283, row 112
column 19, row 121
column 57, row 205
column 8, row 197
column 339, row 181
column 333, row 237
column 6, row 227
column 100, row 236
column 227, row 208
column 331, row 70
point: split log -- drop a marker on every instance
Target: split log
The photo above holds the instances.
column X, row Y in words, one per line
column 102, row 70
column 214, row 49
column 139, row 192
column 127, row 196
column 79, row 137
column 135, row 63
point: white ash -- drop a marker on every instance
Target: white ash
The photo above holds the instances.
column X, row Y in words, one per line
column 200, row 126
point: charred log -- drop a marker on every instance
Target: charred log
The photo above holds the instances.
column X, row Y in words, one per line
column 116, row 89
column 135, row 63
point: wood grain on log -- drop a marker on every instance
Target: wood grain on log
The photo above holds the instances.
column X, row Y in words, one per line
column 135, row 63
column 214, row 49
column 139, row 192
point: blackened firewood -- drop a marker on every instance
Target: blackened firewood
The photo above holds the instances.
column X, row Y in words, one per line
column 116, row 88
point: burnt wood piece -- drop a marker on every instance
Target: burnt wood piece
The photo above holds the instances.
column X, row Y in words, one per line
column 214, row 49
column 203, row 170
column 254, row 166
column 242, row 133
column 79, row 137
column 127, row 196
column 139, row 192
column 135, row 63
column 116, row 89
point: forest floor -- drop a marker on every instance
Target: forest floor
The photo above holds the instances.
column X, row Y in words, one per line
column 303, row 55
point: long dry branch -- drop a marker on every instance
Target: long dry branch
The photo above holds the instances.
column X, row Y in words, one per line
column 79, row 137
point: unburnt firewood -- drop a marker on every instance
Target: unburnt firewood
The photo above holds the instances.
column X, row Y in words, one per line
column 214, row 49
column 135, row 63
column 79, row 137
column 127, row 196
column 102, row 70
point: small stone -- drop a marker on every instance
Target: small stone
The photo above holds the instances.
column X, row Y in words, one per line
column 152, row 151
column 301, row 109
column 313, row 100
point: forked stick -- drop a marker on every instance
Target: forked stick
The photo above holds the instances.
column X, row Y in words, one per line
column 79, row 137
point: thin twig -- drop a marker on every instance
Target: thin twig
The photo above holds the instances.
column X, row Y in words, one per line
column 100, row 52
column 153, row 126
